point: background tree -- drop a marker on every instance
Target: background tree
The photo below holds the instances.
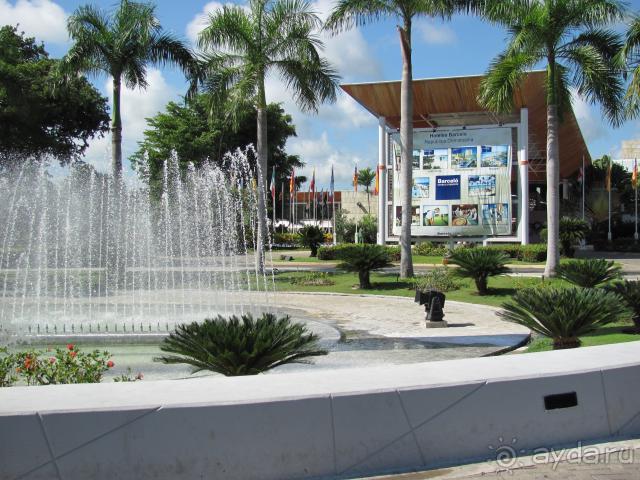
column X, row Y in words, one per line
column 630, row 61
column 121, row 43
column 569, row 38
column 366, row 176
column 243, row 46
column 38, row 118
column 197, row 137
column 350, row 13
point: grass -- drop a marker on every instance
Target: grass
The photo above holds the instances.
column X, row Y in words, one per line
column 500, row 290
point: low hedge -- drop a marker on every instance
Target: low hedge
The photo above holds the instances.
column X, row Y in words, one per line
column 334, row 252
column 536, row 252
column 430, row 249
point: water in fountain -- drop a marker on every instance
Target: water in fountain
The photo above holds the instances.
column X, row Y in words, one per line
column 86, row 254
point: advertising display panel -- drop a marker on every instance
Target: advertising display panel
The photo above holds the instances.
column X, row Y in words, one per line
column 461, row 182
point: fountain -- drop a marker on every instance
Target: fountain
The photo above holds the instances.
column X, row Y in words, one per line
column 84, row 254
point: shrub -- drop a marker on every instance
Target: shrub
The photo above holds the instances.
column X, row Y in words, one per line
column 629, row 290
column 334, row 252
column 240, row 345
column 287, row 239
column 440, row 278
column 479, row 264
column 313, row 279
column 536, row 252
column 572, row 231
column 429, row 249
column 312, row 237
column 7, row 368
column 588, row 273
column 564, row 314
column 363, row 258
column 63, row 365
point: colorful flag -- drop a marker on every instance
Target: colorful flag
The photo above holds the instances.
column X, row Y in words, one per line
column 608, row 179
column 634, row 175
column 292, row 183
column 376, row 188
column 273, row 184
column 580, row 175
column 312, row 185
column 355, row 179
column 331, row 185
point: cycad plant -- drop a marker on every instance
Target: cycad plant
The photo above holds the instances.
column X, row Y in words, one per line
column 629, row 290
column 564, row 314
column 363, row 258
column 572, row 232
column 240, row 345
column 588, row 273
column 312, row 236
column 479, row 264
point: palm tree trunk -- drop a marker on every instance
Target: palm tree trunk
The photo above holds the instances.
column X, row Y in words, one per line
column 262, row 177
column 406, row 144
column 116, row 132
column 553, row 200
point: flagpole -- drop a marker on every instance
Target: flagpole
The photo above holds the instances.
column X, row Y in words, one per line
column 583, row 182
column 333, row 206
column 282, row 202
column 635, row 168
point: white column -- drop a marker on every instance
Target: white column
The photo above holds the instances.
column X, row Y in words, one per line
column 382, row 164
column 523, row 176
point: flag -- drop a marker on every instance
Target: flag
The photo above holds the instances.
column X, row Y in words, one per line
column 331, row 185
column 634, row 175
column 580, row 175
column 292, row 183
column 312, row 185
column 273, row 184
column 608, row 179
column 355, row 179
column 376, row 188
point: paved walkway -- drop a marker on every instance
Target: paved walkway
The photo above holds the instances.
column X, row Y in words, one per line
column 604, row 461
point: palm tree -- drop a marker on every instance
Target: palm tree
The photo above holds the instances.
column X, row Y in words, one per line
column 366, row 176
column 569, row 38
column 350, row 13
column 121, row 44
column 242, row 46
column 631, row 63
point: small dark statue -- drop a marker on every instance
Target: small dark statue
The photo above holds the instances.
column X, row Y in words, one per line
column 433, row 302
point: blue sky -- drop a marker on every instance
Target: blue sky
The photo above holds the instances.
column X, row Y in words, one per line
column 342, row 134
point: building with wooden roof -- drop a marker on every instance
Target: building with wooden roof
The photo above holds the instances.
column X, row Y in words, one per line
column 448, row 105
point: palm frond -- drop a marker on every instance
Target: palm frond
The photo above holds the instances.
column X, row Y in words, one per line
column 229, row 29
column 589, row 273
column 354, row 13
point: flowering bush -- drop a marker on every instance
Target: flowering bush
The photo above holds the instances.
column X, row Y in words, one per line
column 63, row 365
column 129, row 377
column 7, row 368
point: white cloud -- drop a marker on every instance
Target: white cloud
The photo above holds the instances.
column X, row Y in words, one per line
column 321, row 154
column 591, row 122
column 197, row 24
column 43, row 19
column 436, row 33
column 136, row 106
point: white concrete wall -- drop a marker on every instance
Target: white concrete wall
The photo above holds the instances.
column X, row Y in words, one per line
column 330, row 424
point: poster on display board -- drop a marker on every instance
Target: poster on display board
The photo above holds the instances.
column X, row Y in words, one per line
column 461, row 182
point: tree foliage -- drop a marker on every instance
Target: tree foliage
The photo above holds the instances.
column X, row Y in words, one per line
column 40, row 116
column 240, row 345
column 197, row 137
column 479, row 263
column 312, row 236
column 363, row 258
column 589, row 273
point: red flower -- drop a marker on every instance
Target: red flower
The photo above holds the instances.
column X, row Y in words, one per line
column 110, row 364
column 139, row 376
column 70, row 346
column 52, row 360
column 73, row 354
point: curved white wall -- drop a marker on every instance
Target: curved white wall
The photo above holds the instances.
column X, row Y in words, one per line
column 329, row 424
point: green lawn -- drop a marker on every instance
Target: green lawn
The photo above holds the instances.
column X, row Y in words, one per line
column 501, row 289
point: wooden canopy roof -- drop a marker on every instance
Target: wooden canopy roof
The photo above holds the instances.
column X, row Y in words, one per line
column 452, row 102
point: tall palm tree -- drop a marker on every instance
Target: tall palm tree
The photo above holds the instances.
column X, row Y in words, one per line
column 631, row 63
column 242, row 46
column 366, row 176
column 570, row 39
column 121, row 43
column 349, row 13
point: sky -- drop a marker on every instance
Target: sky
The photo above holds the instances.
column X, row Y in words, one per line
column 341, row 134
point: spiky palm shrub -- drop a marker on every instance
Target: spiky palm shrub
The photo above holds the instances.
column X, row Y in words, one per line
column 629, row 290
column 564, row 314
column 479, row 264
column 572, row 232
column 240, row 345
column 364, row 258
column 312, row 237
column 588, row 273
